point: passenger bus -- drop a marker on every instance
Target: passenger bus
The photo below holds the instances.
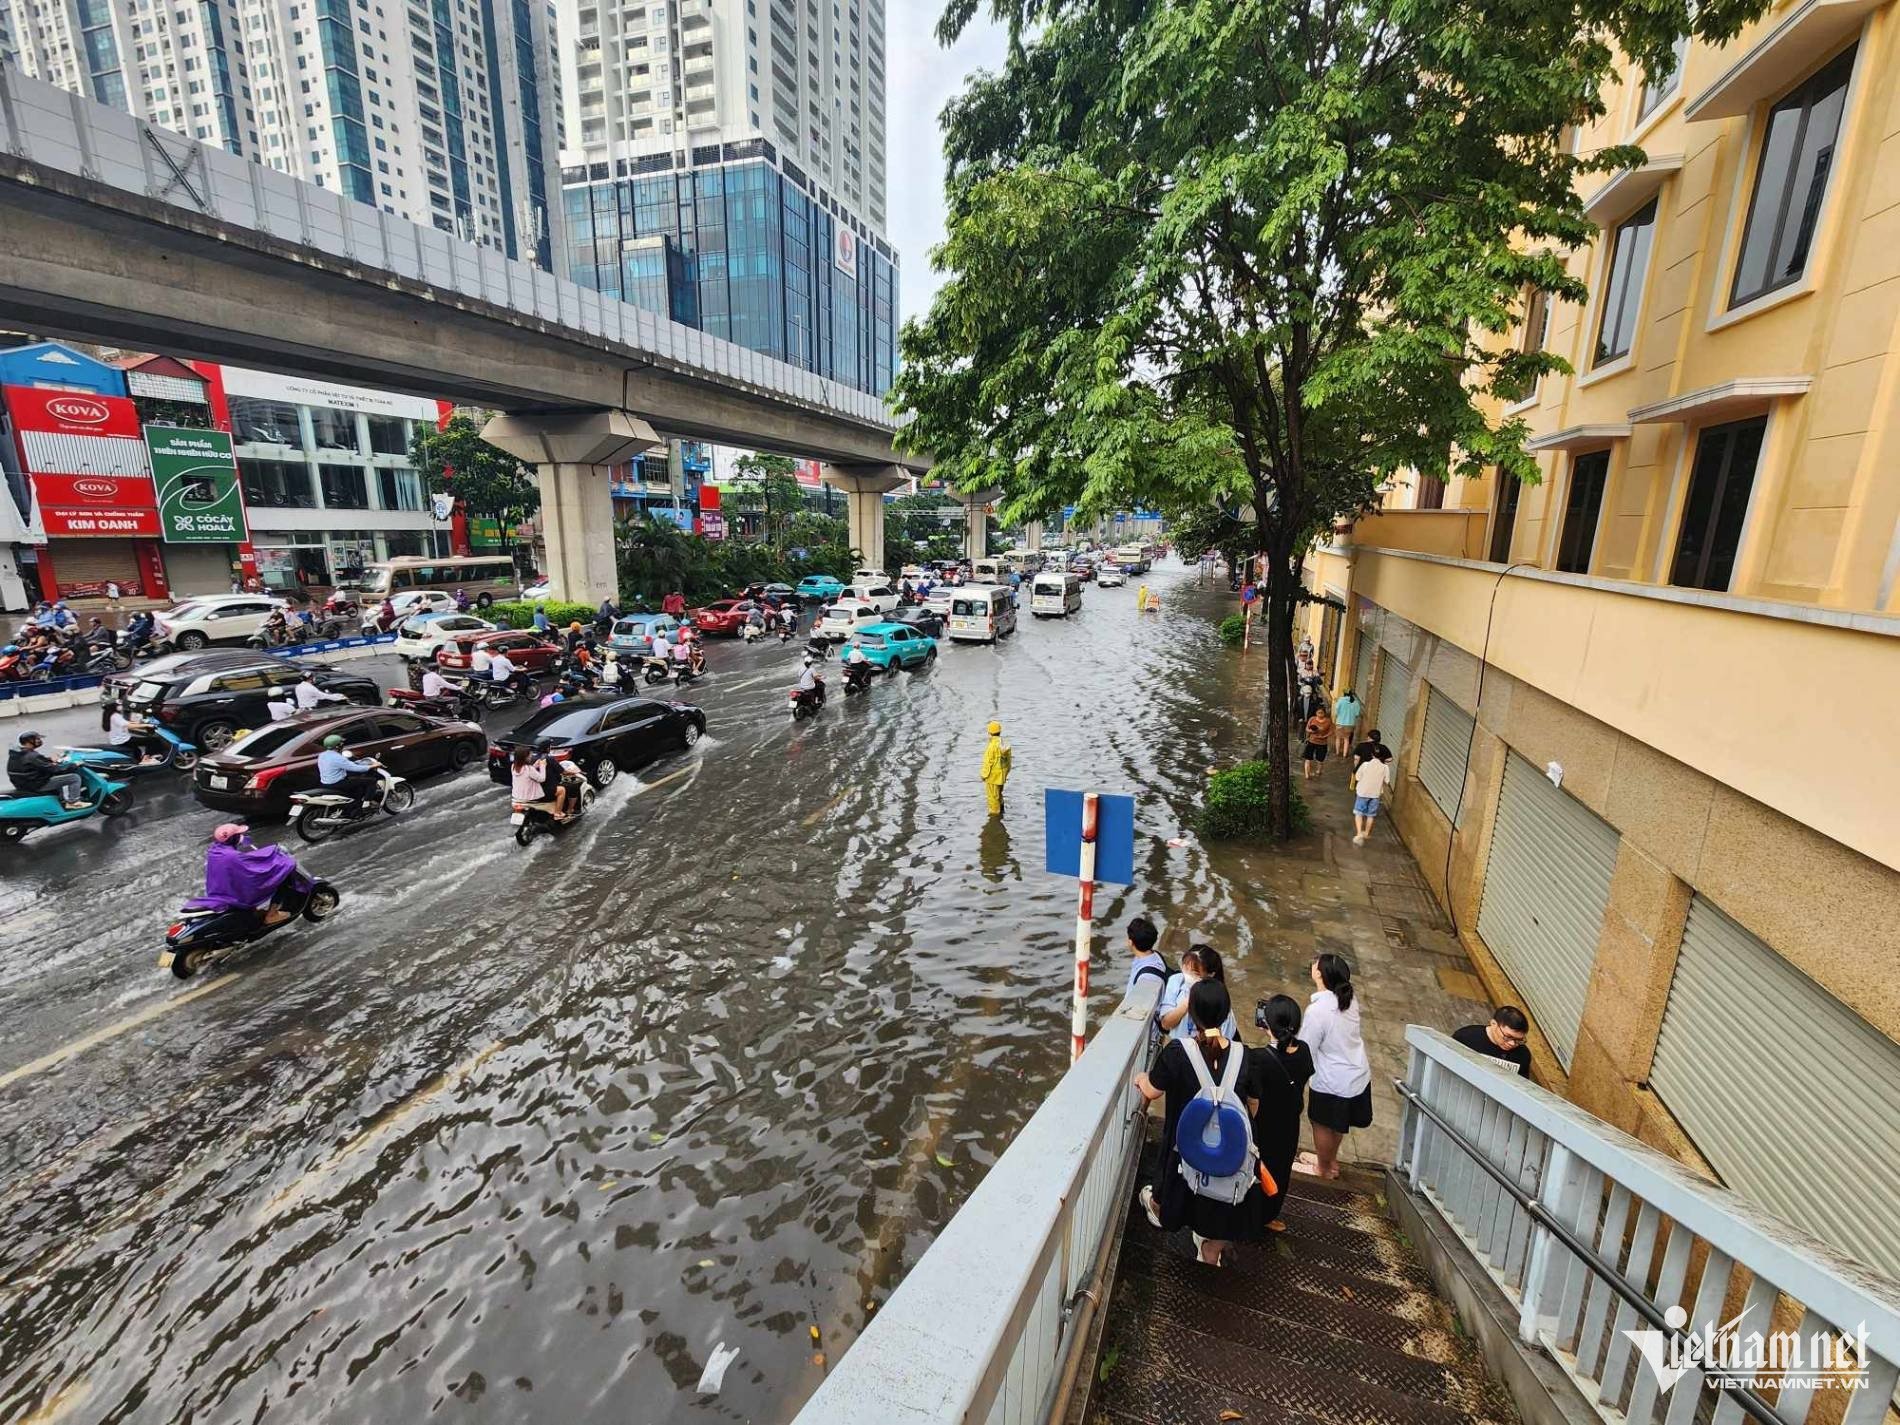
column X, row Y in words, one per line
column 486, row 578
column 1132, row 558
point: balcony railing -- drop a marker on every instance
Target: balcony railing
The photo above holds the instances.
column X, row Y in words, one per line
column 984, row 1328
column 1456, row 534
column 1596, row 1238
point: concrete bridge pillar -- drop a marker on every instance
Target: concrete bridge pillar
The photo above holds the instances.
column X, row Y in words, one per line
column 573, row 453
column 1032, row 536
column 976, row 522
column 864, row 490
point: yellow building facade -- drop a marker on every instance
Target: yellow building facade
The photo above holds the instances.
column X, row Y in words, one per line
column 1644, row 712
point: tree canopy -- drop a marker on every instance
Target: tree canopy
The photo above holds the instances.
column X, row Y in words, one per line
column 486, row 480
column 1260, row 254
column 768, row 486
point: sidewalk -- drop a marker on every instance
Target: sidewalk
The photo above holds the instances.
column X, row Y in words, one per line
column 1370, row 904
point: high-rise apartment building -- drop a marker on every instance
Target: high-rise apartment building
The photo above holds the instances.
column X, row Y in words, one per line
column 437, row 111
column 723, row 163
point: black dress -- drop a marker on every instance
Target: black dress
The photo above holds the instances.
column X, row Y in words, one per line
column 1282, row 1096
column 1180, row 1205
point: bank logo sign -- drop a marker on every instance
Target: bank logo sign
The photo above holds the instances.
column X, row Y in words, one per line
column 1730, row 1358
column 200, row 500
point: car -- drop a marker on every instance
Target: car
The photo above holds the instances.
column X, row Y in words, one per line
column 819, row 586
column 171, row 667
column 776, row 594
column 540, row 589
column 721, row 616
column 845, row 618
column 406, row 604
column 420, row 636
column 630, row 633
column 601, row 735
column 1110, row 576
column 215, row 618
column 877, row 592
column 525, row 648
column 894, row 645
column 257, row 775
column 922, row 618
column 209, row 707
column 937, row 601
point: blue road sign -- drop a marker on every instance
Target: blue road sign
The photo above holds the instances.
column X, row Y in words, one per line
column 1114, row 835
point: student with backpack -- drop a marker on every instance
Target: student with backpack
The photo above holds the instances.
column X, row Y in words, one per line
column 1210, row 1170
column 1145, row 961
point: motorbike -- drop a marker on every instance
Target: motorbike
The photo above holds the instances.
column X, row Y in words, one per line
column 319, row 815
column 532, row 819
column 496, row 696
column 171, row 753
column 202, row 935
column 806, row 703
column 656, row 670
column 461, row 703
column 751, row 632
column 57, row 661
column 858, row 676
column 23, row 812
column 107, row 654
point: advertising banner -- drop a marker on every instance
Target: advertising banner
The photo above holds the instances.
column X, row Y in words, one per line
column 200, row 500
column 81, row 505
column 807, row 475
column 844, row 250
column 71, row 412
column 712, row 524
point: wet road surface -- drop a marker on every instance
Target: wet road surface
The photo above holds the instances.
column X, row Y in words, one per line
column 528, row 1134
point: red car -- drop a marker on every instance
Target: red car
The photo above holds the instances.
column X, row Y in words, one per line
column 525, row 650
column 721, row 616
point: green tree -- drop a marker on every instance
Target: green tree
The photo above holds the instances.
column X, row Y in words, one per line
column 768, row 486
column 487, row 481
column 1259, row 255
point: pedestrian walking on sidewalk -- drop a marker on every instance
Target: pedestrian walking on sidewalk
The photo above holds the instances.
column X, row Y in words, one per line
column 1172, row 1202
column 1341, row 1097
column 1319, row 737
column 1282, row 1068
column 1346, row 711
column 1369, row 781
column 996, row 760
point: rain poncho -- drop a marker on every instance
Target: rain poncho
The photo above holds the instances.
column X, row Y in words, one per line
column 245, row 878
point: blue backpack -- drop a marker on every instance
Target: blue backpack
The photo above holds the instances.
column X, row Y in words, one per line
column 1215, row 1137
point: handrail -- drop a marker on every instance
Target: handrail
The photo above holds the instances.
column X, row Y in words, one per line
column 1756, row 1407
column 1557, row 1200
column 982, row 1328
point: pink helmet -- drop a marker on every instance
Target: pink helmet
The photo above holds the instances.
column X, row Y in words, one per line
column 230, row 831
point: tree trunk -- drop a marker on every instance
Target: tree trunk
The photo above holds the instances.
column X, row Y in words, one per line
column 1275, row 747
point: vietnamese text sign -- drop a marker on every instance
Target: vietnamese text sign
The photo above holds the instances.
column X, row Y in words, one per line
column 199, row 498
column 1114, row 835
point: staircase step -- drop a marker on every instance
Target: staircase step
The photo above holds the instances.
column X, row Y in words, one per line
column 1139, row 1392
column 1262, row 1290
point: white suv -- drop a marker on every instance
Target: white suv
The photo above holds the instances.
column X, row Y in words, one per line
column 879, row 593
column 419, row 636
column 845, row 618
column 215, row 618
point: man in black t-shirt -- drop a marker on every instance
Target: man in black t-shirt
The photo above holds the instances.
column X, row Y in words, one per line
column 1365, row 751
column 1503, row 1038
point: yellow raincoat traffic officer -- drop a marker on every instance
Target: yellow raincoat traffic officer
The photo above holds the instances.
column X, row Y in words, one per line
column 996, row 768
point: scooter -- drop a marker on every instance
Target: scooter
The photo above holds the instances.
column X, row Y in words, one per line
column 496, row 696
column 203, row 935
column 320, row 815
column 656, row 670
column 22, row 812
column 531, row 819
column 751, row 632
column 806, row 703
column 126, row 763
column 107, row 655
column 858, row 676
column 461, row 704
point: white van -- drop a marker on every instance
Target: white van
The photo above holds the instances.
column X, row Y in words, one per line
column 1055, row 595
column 989, row 571
column 981, row 613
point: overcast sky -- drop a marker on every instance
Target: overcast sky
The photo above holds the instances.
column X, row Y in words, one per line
column 919, row 77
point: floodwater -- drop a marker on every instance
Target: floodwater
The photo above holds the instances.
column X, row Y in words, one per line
column 529, row 1135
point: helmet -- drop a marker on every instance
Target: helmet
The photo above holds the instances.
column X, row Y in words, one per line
column 335, row 739
column 575, row 625
column 276, row 693
column 230, row 831
column 29, row 736
column 996, row 729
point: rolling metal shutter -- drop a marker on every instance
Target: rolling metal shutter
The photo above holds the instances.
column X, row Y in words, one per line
column 1395, row 696
column 1362, row 669
column 1444, row 748
column 1546, row 885
column 1790, row 1095
column 93, row 561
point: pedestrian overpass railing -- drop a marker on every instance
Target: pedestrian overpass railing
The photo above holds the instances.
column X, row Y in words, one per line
column 985, row 1328
column 1625, row 1265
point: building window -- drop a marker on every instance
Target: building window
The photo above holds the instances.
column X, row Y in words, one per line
column 1504, row 522
column 401, row 489
column 1712, row 516
column 1623, row 284
column 267, row 422
column 1797, row 150
column 333, row 429
column 344, row 487
column 1658, row 87
column 277, row 485
column 388, row 435
column 1583, row 503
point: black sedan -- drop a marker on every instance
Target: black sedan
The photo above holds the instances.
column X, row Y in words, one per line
column 602, row 735
column 920, row 618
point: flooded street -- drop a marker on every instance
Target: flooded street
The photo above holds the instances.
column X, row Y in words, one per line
column 530, row 1134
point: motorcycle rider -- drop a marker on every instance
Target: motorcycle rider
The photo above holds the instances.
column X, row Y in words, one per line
column 503, row 673
column 674, row 604
column 31, row 770
column 541, row 624
column 858, row 667
column 340, row 772
column 434, row 685
column 481, row 663
column 139, row 631
column 242, row 876
column 529, row 777
column 279, row 704
column 605, row 615
column 310, row 696
column 98, row 635
column 461, row 601
column 810, row 685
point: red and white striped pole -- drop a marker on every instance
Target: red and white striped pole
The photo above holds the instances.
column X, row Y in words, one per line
column 1084, row 924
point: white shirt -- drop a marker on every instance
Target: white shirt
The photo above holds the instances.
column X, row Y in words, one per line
column 121, row 729
column 1371, row 778
column 855, row 654
column 500, row 669
column 434, row 685
column 307, row 696
column 1340, row 1067
column 807, row 681
column 1145, row 962
column 280, row 709
column 479, row 660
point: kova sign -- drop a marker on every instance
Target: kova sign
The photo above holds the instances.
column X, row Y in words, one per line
column 200, row 500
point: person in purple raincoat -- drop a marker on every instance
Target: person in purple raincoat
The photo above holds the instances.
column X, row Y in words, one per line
column 240, row 875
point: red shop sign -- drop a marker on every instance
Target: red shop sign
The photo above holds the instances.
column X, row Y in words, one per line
column 72, row 412
column 67, row 521
column 115, row 494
